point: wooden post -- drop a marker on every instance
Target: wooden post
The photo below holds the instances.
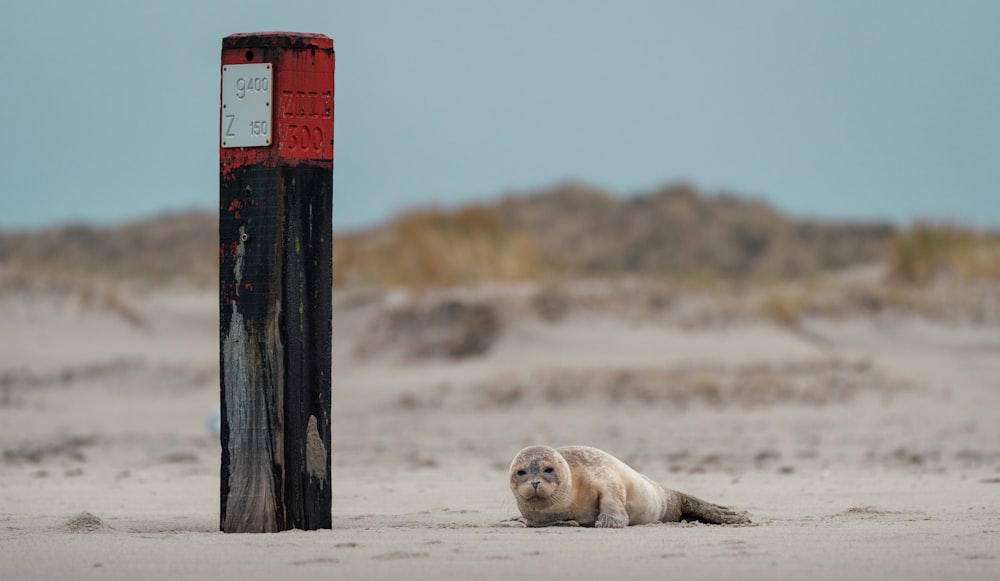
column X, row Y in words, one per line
column 275, row 280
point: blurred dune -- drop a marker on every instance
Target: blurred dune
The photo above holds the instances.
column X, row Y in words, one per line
column 565, row 232
column 171, row 246
column 572, row 230
column 678, row 231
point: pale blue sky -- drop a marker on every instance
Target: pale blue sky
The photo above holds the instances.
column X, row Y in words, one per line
column 873, row 109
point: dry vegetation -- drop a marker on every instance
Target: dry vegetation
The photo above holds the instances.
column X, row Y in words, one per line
column 437, row 248
column 174, row 246
column 926, row 251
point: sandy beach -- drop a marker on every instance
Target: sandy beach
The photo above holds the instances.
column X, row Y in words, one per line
column 862, row 446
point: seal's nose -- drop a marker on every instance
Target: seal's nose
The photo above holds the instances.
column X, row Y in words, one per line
column 536, row 483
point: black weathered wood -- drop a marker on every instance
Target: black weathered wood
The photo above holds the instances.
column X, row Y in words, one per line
column 275, row 338
column 275, row 327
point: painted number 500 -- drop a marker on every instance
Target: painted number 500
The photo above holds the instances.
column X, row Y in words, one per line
column 304, row 138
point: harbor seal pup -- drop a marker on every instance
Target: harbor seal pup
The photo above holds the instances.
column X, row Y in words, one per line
column 591, row 488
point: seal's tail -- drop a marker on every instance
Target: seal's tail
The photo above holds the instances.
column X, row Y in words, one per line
column 696, row 508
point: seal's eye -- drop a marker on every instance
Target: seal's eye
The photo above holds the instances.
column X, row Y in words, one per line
column 521, row 472
column 548, row 470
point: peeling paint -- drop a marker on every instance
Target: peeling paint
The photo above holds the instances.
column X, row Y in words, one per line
column 315, row 452
column 251, row 501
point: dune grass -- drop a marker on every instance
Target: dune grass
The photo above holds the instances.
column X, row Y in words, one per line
column 925, row 251
column 437, row 248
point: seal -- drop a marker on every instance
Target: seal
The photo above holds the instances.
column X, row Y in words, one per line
column 579, row 485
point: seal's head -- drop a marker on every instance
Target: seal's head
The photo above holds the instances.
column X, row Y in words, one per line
column 539, row 474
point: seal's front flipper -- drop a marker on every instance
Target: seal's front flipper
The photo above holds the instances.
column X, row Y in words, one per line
column 698, row 509
column 613, row 513
column 607, row 521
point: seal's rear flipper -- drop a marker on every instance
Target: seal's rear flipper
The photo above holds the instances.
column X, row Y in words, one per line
column 698, row 509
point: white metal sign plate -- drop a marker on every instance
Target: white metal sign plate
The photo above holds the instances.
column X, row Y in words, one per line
column 246, row 105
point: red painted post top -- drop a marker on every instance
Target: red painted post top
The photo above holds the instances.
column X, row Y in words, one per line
column 301, row 99
column 278, row 38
